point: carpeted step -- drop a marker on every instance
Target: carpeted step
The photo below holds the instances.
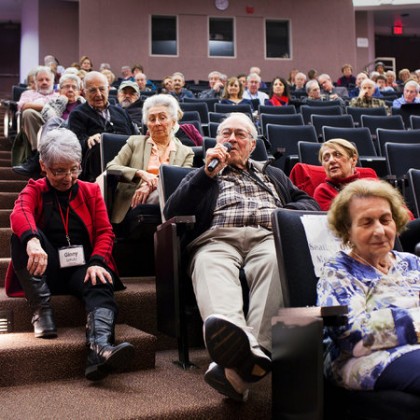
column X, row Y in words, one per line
column 5, row 218
column 166, row 392
column 4, row 262
column 137, row 307
column 5, row 162
column 25, row 359
column 6, row 154
column 7, row 199
column 5, row 234
column 12, row 185
column 7, row 173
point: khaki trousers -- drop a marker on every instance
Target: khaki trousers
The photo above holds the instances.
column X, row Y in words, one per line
column 217, row 256
column 31, row 123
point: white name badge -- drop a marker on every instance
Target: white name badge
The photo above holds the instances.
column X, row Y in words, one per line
column 71, row 256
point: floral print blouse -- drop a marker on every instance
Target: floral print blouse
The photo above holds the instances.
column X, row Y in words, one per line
column 384, row 315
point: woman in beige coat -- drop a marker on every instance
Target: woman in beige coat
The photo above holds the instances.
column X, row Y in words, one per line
column 140, row 158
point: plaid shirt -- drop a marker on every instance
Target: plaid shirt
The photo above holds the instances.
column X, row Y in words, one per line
column 242, row 201
column 367, row 103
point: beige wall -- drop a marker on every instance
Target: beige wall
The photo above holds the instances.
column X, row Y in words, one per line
column 323, row 35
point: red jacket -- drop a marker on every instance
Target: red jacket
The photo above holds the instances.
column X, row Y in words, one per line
column 88, row 204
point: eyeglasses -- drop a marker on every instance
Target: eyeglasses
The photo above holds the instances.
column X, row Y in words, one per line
column 61, row 173
column 239, row 134
column 92, row 90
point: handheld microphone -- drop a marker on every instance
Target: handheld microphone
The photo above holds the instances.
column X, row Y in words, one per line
column 214, row 162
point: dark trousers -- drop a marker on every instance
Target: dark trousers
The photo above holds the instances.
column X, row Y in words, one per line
column 403, row 374
column 67, row 281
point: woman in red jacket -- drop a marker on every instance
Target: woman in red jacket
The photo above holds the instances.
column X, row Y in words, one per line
column 62, row 244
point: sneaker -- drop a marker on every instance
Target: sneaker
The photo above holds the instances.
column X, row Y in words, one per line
column 232, row 347
column 216, row 378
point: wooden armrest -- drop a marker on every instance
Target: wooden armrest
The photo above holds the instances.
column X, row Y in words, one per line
column 178, row 220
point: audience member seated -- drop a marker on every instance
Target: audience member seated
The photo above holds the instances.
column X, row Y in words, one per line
column 381, row 83
column 242, row 78
column 129, row 99
column 365, row 99
column 300, row 82
column 141, row 80
column 54, row 114
column 328, row 89
column 353, row 93
column 377, row 349
column 51, row 62
column 140, row 159
column 167, row 85
column 312, row 74
column 347, row 80
column 179, row 91
column 410, row 95
column 216, row 86
column 62, row 244
column 233, row 93
column 96, row 116
column 230, row 234
column 257, row 70
column 380, row 67
column 111, row 79
column 391, row 80
column 31, row 80
column 126, row 74
column 339, row 158
column 31, row 103
column 279, row 92
column 313, row 91
column 291, row 80
column 403, row 76
column 85, row 63
column 138, row 68
column 253, row 83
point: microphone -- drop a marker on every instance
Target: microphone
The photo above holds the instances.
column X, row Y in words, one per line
column 214, row 162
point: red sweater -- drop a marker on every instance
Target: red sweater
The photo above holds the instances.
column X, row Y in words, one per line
column 88, row 204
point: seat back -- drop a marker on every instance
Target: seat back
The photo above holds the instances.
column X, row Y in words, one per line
column 414, row 183
column 308, row 152
column 200, row 107
column 307, row 111
column 190, row 116
column 318, row 121
column 406, row 111
column 17, row 91
column 360, row 136
column 170, row 177
column 111, row 144
column 390, row 122
column 314, row 102
column 286, row 119
column 216, row 117
column 401, row 157
column 357, row 112
column 277, row 110
column 227, row 108
column 287, row 137
column 297, row 273
column 209, row 101
column 213, row 129
column 396, row 136
column 415, row 122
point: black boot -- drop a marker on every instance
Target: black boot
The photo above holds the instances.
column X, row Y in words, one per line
column 31, row 167
column 103, row 356
column 38, row 295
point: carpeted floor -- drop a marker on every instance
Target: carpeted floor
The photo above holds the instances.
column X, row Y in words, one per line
column 166, row 392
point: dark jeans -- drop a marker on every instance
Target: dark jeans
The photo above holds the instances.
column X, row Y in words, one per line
column 67, row 281
column 403, row 374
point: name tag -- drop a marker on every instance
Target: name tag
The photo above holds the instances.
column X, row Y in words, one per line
column 71, row 256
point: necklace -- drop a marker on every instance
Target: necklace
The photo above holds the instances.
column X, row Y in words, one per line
column 383, row 266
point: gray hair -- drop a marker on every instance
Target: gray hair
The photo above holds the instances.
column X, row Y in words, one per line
column 310, row 85
column 250, row 126
column 412, row 83
column 178, row 73
column 215, row 73
column 165, row 100
column 92, row 75
column 368, row 82
column 60, row 144
column 70, row 76
column 44, row 69
column 253, row 76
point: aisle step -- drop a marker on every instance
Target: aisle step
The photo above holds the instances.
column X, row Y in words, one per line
column 25, row 359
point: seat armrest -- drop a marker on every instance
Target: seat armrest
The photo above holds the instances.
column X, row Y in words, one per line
column 111, row 179
column 331, row 315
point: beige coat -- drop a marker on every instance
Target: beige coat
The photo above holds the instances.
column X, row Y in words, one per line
column 135, row 155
